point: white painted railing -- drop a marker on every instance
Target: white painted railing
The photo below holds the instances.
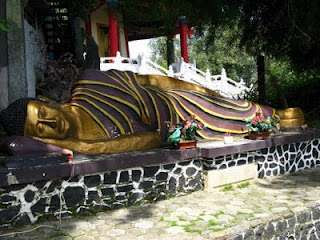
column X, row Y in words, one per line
column 140, row 65
column 182, row 71
column 220, row 83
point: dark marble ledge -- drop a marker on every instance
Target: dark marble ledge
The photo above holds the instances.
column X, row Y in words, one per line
column 20, row 170
column 252, row 145
column 28, row 169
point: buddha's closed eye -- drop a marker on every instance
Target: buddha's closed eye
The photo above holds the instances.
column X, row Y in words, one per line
column 42, row 113
column 49, row 122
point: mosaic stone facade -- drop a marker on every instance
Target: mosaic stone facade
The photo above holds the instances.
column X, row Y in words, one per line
column 273, row 161
column 22, row 204
column 27, row 203
column 303, row 225
column 288, row 158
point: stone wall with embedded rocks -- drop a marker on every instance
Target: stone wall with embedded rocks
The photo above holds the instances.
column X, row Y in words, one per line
column 27, row 203
column 303, row 225
column 273, row 161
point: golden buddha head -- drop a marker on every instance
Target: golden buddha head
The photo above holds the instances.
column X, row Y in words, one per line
column 36, row 119
column 46, row 120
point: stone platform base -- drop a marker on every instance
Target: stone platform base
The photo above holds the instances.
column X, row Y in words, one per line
column 36, row 187
column 276, row 208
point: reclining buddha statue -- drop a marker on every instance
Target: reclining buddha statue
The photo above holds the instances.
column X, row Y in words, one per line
column 116, row 111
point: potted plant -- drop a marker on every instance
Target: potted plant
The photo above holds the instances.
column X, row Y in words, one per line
column 183, row 135
column 260, row 127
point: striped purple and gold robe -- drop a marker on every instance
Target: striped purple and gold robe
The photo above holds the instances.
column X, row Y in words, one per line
column 122, row 106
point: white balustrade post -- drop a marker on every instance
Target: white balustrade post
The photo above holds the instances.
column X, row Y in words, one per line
column 223, row 74
column 170, row 72
column 208, row 75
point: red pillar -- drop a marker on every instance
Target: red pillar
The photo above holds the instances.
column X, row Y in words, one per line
column 183, row 39
column 88, row 26
column 113, row 34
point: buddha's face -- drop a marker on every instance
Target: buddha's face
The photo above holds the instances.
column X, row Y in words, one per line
column 46, row 121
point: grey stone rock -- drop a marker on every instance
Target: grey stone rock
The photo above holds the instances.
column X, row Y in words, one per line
column 313, row 236
column 281, row 226
column 315, row 154
column 150, row 171
column 273, row 165
column 8, row 214
column 162, row 176
column 121, row 198
column 249, row 235
column 53, row 186
column 92, row 181
column 197, row 163
column 224, row 166
column 258, row 232
column 303, row 217
column 135, row 197
column 54, row 203
column 185, row 163
column 108, row 192
column 316, row 213
column 146, row 185
column 39, row 207
column 196, row 183
column 317, row 226
column 190, row 171
column 161, row 188
column 126, row 188
column 304, row 234
column 73, row 179
column 93, row 196
column 124, row 177
column 232, row 163
column 29, row 195
column 172, row 185
column 6, row 199
column 110, row 178
column 261, row 174
column 291, row 222
column 74, row 196
column 270, row 231
column 169, row 166
column 237, row 237
column 136, row 175
column 182, row 183
column 301, row 164
column 40, row 184
column 23, row 219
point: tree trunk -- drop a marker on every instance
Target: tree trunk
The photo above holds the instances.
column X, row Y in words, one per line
column 3, row 60
column 78, row 40
column 261, row 79
column 170, row 50
column 282, row 99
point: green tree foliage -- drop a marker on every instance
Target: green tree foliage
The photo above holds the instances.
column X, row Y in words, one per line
column 213, row 53
column 159, row 50
column 287, row 28
column 3, row 25
column 297, row 88
column 223, row 51
column 162, row 15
